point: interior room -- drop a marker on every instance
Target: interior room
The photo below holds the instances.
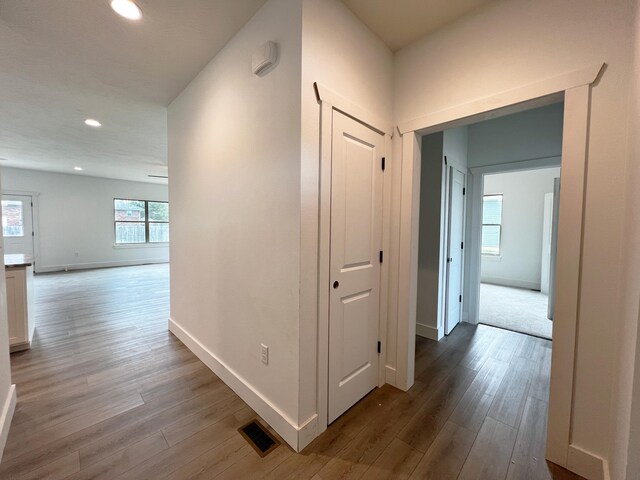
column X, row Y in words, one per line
column 517, row 241
column 244, row 239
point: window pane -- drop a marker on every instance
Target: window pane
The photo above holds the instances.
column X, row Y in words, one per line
column 130, row 232
column 158, row 232
column 492, row 209
column 129, row 210
column 158, row 212
column 12, row 220
column 491, row 239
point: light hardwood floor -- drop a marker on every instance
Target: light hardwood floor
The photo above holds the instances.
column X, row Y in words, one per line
column 107, row 393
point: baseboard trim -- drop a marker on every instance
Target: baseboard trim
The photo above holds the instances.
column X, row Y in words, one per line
column 7, row 415
column 509, row 282
column 390, row 375
column 297, row 436
column 89, row 266
column 587, row 464
column 428, row 331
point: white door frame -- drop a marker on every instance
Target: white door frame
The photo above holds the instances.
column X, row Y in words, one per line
column 35, row 217
column 472, row 287
column 330, row 101
column 575, row 88
column 445, row 246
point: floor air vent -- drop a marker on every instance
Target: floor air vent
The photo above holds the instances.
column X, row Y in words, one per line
column 258, row 437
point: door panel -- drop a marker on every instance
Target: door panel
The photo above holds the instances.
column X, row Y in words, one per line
column 456, row 237
column 356, row 234
column 17, row 224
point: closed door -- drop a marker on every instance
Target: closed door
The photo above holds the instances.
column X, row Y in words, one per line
column 17, row 224
column 356, row 231
column 455, row 247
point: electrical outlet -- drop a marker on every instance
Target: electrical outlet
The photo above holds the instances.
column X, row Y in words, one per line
column 77, row 254
column 264, row 354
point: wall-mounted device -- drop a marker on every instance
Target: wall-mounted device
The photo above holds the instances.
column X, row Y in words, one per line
column 264, row 58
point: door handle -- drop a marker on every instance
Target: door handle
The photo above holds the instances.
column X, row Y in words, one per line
column 336, row 284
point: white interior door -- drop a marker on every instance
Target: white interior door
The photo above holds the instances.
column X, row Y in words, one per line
column 455, row 267
column 356, row 238
column 17, row 224
column 554, row 248
column 545, row 264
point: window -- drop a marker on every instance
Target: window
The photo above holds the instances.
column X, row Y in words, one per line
column 141, row 221
column 12, row 218
column 491, row 224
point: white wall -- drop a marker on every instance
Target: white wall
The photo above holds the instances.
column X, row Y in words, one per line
column 339, row 52
column 519, row 262
column 471, row 59
column 625, row 444
column 6, row 389
column 528, row 135
column 234, row 164
column 75, row 227
column 431, row 217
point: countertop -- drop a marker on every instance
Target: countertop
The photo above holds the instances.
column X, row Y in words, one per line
column 17, row 260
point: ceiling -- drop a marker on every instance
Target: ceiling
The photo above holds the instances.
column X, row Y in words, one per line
column 401, row 22
column 62, row 61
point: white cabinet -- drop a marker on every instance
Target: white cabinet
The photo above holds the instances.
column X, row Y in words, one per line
column 19, row 306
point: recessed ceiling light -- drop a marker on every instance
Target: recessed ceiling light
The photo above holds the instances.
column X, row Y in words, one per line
column 77, row 169
column 92, row 123
column 127, row 9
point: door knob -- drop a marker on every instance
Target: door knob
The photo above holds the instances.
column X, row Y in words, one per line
column 336, row 284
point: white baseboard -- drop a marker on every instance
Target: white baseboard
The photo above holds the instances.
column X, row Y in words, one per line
column 390, row 375
column 88, row 266
column 510, row 282
column 427, row 331
column 297, row 436
column 7, row 415
column 587, row 464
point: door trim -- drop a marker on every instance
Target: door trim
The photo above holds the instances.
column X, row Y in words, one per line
column 329, row 101
column 447, row 246
column 575, row 88
column 35, row 218
column 475, row 193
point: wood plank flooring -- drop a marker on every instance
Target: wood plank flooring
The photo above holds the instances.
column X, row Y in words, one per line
column 107, row 392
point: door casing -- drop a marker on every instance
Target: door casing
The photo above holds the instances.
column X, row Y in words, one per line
column 330, row 101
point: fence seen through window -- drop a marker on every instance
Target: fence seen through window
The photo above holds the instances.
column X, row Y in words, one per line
column 141, row 221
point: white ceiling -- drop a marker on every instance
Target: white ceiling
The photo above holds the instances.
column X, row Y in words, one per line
column 62, row 61
column 401, row 22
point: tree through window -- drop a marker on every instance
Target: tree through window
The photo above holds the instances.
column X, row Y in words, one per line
column 141, row 221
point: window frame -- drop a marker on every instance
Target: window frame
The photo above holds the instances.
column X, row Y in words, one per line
column 499, row 225
column 146, row 222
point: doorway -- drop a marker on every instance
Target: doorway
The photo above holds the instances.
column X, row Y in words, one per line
column 574, row 88
column 17, row 224
column 518, row 245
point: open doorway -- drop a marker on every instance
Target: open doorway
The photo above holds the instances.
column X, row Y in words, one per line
column 519, row 241
column 483, row 192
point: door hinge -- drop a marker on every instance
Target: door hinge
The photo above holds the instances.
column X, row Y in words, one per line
column 33, row 234
column 32, row 204
column 460, row 298
column 445, row 160
column 464, row 191
column 384, row 161
column 379, row 346
column 461, row 245
column 381, row 256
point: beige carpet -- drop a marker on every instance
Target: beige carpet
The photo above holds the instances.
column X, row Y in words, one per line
column 515, row 309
